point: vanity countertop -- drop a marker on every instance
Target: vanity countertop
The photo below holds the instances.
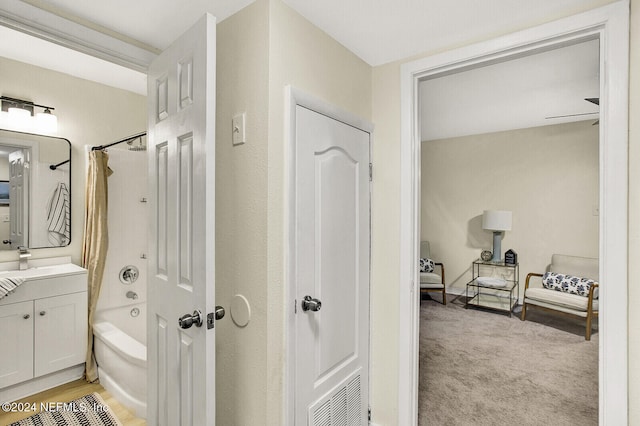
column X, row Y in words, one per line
column 41, row 268
column 44, row 278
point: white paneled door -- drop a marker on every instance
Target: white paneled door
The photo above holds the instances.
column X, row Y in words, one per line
column 331, row 258
column 181, row 338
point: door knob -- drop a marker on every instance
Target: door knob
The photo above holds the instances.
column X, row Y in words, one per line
column 187, row 320
column 219, row 312
column 311, row 304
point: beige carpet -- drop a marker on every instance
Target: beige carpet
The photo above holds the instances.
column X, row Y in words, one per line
column 483, row 368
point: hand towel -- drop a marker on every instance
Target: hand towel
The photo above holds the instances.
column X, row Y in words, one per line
column 58, row 216
column 9, row 284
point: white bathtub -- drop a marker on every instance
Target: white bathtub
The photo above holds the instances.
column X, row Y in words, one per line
column 122, row 359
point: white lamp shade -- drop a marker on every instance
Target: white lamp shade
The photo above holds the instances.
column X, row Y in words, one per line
column 496, row 220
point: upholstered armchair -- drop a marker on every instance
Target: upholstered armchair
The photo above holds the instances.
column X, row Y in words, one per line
column 433, row 279
column 570, row 286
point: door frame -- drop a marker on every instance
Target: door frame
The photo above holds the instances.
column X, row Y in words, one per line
column 296, row 97
column 611, row 25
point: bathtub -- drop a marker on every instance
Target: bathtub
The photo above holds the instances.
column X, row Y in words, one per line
column 121, row 358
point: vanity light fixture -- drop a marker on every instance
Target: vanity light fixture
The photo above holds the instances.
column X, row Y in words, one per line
column 18, row 114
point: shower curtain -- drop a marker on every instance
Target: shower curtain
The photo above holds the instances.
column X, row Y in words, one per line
column 96, row 241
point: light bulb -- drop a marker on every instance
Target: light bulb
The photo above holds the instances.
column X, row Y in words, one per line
column 46, row 122
column 19, row 118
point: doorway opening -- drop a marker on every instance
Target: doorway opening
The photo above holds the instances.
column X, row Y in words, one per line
column 518, row 136
column 610, row 25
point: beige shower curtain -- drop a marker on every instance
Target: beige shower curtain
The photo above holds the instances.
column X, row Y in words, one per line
column 96, row 241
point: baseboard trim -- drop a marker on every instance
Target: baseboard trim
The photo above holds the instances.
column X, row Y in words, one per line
column 42, row 383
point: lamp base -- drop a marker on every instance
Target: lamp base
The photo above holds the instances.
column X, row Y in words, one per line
column 497, row 249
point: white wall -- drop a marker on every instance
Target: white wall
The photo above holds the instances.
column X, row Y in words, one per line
column 547, row 176
column 127, row 224
column 88, row 114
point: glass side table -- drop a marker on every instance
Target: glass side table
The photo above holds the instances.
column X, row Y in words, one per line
column 500, row 292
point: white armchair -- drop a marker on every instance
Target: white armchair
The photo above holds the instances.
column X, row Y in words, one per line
column 535, row 295
column 432, row 281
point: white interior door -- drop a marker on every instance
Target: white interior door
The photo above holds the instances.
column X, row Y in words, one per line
column 18, row 199
column 331, row 265
column 181, row 106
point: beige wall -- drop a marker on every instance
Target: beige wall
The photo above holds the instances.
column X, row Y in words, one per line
column 88, row 113
column 634, row 216
column 385, row 270
column 547, row 176
column 261, row 49
column 303, row 56
column 241, row 214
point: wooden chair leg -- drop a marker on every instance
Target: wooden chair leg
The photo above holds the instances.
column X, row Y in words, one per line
column 523, row 316
column 444, row 297
column 587, row 335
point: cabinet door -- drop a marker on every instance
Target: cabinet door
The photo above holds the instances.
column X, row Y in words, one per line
column 16, row 331
column 60, row 332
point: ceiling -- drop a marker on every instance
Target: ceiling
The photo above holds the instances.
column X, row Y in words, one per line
column 156, row 23
column 31, row 50
column 378, row 31
column 520, row 93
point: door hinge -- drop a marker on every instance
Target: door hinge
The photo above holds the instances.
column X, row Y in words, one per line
column 295, row 306
column 369, row 412
column 370, row 172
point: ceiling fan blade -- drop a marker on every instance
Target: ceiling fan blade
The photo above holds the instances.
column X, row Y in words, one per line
column 571, row 115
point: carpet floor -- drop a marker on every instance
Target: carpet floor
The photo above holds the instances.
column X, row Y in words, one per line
column 485, row 368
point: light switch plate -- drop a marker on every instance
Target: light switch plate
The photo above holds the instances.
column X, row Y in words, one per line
column 237, row 129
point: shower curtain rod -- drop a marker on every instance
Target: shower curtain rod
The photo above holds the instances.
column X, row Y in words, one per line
column 127, row 139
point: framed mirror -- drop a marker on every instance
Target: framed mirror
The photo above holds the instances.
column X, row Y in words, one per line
column 35, row 191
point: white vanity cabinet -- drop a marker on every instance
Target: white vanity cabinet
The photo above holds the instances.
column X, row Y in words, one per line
column 60, row 332
column 16, row 355
column 43, row 332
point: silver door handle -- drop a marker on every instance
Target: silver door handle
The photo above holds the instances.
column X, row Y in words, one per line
column 219, row 313
column 311, row 304
column 187, row 320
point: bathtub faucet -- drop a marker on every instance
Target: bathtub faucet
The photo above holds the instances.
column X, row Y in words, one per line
column 132, row 295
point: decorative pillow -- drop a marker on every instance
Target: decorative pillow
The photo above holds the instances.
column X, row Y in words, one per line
column 427, row 265
column 567, row 283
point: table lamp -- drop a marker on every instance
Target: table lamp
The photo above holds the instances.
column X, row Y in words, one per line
column 496, row 221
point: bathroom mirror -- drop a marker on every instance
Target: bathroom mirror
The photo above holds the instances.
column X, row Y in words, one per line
column 35, row 191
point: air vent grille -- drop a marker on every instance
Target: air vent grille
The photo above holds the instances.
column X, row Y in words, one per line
column 342, row 408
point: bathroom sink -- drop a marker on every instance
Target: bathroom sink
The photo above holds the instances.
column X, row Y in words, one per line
column 39, row 270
